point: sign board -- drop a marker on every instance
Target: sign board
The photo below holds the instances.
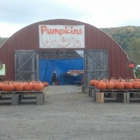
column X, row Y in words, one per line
column 2, row 71
column 61, row 36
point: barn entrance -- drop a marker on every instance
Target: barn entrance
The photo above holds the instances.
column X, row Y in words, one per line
column 61, row 61
column 33, row 65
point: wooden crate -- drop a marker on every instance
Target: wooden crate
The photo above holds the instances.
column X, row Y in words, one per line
column 23, row 97
column 134, row 98
column 100, row 97
column 92, row 92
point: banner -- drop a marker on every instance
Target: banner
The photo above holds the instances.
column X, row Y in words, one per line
column 61, row 36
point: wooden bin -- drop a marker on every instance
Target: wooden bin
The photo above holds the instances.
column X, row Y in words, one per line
column 100, row 97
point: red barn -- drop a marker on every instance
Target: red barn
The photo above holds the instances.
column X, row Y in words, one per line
column 103, row 57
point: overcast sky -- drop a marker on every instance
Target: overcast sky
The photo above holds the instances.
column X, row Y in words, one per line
column 16, row 14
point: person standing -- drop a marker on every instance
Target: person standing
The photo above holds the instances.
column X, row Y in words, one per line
column 54, row 78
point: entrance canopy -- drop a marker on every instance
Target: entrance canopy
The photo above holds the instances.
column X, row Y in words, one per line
column 61, row 66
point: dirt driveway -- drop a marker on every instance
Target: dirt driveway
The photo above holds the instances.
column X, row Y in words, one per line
column 69, row 114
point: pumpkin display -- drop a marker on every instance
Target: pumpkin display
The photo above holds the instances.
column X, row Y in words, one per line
column 116, row 84
column 20, row 86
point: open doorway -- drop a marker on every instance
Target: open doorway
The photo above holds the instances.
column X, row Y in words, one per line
column 40, row 64
column 61, row 62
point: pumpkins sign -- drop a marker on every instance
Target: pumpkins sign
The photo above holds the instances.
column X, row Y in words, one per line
column 61, row 36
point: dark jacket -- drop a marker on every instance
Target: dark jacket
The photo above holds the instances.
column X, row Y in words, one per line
column 54, row 77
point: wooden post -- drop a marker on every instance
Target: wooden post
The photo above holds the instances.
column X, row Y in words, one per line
column 124, row 97
column 89, row 91
column 99, row 97
column 15, row 99
column 40, row 99
column 20, row 98
column 93, row 94
column 120, row 97
column 128, row 97
column 83, row 88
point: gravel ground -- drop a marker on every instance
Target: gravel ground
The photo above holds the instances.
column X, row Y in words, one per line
column 69, row 114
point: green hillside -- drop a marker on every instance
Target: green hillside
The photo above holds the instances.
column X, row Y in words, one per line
column 127, row 37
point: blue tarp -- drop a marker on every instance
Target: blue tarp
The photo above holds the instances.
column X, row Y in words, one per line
column 46, row 68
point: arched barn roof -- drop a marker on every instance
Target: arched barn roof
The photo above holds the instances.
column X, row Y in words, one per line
column 28, row 39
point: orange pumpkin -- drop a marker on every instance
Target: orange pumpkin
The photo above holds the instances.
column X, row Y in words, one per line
column 1, row 85
column 19, row 86
column 119, row 85
column 128, row 85
column 136, row 84
column 38, row 86
column 8, row 87
column 14, row 84
column 109, row 85
column 96, row 83
column 101, row 85
column 28, row 86
column 45, row 83
column 92, row 82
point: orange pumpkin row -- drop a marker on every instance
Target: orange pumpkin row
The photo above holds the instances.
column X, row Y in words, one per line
column 20, row 86
column 116, row 84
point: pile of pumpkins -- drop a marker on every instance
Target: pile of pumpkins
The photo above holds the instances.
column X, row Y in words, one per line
column 22, row 86
column 115, row 83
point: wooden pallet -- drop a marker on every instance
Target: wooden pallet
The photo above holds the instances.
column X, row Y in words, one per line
column 22, row 97
column 119, row 95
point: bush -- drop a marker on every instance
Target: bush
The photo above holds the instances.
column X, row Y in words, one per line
column 137, row 72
